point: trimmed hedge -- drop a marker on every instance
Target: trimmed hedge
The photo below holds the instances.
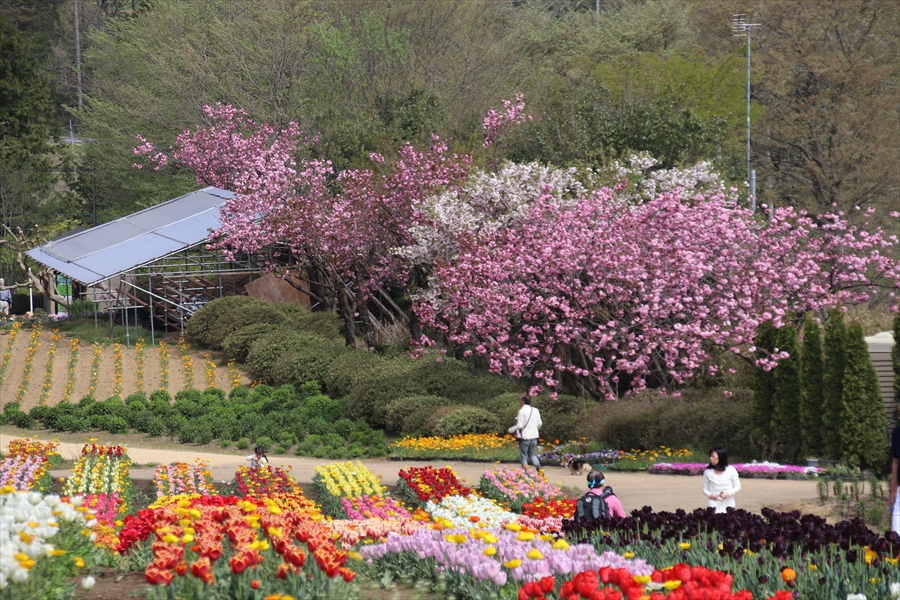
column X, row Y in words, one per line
column 237, row 345
column 464, row 420
column 347, row 370
column 700, row 418
column 267, row 352
column 200, row 326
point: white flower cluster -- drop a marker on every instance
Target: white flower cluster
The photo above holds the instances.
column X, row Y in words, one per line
column 489, row 201
column 28, row 522
column 459, row 511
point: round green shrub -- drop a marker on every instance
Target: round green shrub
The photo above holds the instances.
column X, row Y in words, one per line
column 344, row 428
column 201, row 327
column 136, row 398
column 264, row 442
column 308, row 362
column 192, row 394
column 417, row 422
column 327, row 325
column 250, row 314
column 140, row 421
column 374, row 389
column 324, row 407
column 237, row 345
column 239, row 393
column 188, row 408
column 160, row 407
column 115, row 406
column 161, row 396
column 99, row 421
column 242, row 444
column 348, row 369
column 204, row 433
column 39, row 413
column 398, row 378
column 22, row 420
column 399, row 409
column 319, row 426
column 465, row 420
column 268, row 352
column 476, row 390
column 115, row 424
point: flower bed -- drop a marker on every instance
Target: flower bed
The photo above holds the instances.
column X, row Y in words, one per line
column 486, row 446
column 469, row 512
column 44, row 542
column 744, row 469
column 102, row 469
column 827, row 561
column 419, row 485
column 183, row 478
column 373, row 507
column 489, row 563
column 336, row 481
column 514, row 487
column 27, row 465
column 185, row 542
column 265, row 481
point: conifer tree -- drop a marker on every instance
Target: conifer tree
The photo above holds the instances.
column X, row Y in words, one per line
column 895, row 359
column 786, row 424
column 833, row 377
column 812, row 388
column 764, row 391
column 863, row 423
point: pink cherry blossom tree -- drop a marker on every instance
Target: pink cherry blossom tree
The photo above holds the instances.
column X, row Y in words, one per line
column 614, row 296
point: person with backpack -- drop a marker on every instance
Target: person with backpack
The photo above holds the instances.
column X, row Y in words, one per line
column 600, row 501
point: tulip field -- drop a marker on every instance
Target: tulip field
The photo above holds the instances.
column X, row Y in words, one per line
column 510, row 535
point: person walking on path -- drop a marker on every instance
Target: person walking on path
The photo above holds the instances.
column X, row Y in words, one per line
column 600, row 501
column 720, row 481
column 894, row 498
column 527, row 432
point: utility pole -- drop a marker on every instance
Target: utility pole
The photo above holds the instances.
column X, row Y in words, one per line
column 78, row 55
column 740, row 27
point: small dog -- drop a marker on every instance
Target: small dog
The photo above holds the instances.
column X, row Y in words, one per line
column 578, row 467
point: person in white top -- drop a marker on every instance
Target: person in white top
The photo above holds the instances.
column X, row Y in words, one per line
column 258, row 459
column 720, row 481
column 527, row 431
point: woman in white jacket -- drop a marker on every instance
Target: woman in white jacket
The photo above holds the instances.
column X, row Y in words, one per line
column 527, row 432
column 720, row 481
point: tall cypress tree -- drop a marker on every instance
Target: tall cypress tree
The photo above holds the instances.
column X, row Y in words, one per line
column 895, row 359
column 786, row 423
column 863, row 423
column 764, row 391
column 812, row 388
column 833, row 378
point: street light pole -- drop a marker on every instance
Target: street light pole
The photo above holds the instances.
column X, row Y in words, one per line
column 739, row 27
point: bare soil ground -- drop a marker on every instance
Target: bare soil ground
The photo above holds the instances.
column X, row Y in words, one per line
column 14, row 374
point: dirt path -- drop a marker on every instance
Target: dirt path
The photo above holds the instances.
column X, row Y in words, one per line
column 106, row 380
column 661, row 492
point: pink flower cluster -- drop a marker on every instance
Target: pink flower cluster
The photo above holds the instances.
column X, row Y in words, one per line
column 742, row 468
column 20, row 471
column 107, row 508
column 352, row 533
column 373, row 507
column 520, row 484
